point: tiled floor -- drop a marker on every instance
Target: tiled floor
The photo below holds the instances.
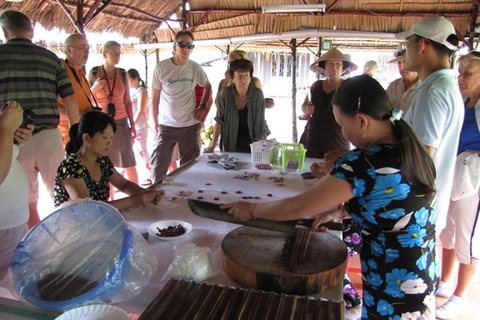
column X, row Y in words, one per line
column 472, row 309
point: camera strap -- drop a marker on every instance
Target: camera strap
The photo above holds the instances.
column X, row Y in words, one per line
column 110, row 90
column 77, row 78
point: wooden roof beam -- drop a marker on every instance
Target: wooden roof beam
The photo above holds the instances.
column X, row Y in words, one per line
column 473, row 26
column 202, row 19
column 345, row 12
column 77, row 26
column 89, row 16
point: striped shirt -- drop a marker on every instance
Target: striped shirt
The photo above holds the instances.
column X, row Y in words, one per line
column 33, row 76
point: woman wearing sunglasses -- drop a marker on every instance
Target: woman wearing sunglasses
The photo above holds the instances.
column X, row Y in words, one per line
column 111, row 90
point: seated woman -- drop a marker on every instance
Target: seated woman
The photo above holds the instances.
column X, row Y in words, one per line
column 87, row 171
column 387, row 187
column 240, row 111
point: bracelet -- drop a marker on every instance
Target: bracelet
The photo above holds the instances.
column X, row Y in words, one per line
column 254, row 205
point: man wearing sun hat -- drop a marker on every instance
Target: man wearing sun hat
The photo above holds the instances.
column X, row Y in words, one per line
column 322, row 134
column 436, row 114
column 402, row 90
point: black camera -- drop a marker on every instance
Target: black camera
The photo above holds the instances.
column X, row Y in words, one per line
column 111, row 109
column 28, row 117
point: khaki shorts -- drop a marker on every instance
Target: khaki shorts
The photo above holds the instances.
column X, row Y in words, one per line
column 42, row 154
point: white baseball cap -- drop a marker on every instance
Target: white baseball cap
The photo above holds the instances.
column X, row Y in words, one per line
column 437, row 29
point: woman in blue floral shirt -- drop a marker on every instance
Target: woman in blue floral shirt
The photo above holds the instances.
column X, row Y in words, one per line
column 387, row 187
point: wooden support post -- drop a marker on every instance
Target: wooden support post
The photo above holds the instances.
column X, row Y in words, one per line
column 145, row 55
column 293, row 46
column 473, row 25
column 319, row 52
column 80, row 16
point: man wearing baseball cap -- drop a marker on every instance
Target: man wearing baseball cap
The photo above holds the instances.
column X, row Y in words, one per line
column 436, row 114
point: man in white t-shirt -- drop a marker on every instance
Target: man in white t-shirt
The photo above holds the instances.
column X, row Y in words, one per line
column 436, row 114
column 177, row 120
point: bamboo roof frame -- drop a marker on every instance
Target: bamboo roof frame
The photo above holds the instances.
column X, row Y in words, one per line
column 220, row 19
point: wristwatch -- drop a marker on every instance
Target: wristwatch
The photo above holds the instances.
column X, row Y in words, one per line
column 203, row 106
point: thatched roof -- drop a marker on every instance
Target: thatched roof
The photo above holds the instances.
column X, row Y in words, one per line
column 216, row 19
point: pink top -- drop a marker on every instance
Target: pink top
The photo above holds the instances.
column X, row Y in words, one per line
column 118, row 94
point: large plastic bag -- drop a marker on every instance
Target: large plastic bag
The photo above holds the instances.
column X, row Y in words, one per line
column 83, row 253
column 190, row 262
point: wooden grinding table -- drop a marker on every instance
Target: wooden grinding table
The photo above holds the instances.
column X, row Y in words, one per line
column 253, row 258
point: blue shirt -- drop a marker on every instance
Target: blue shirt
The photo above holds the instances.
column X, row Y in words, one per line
column 470, row 135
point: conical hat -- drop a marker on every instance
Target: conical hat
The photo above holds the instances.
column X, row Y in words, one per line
column 332, row 54
column 399, row 55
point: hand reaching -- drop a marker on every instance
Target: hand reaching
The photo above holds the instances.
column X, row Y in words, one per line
column 240, row 210
column 147, row 196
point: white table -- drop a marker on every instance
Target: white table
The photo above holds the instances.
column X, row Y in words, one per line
column 206, row 232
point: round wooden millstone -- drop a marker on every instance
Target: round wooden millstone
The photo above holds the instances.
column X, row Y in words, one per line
column 253, row 258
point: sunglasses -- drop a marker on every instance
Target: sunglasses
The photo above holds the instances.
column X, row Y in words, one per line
column 186, row 45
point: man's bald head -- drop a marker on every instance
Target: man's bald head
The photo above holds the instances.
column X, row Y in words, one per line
column 76, row 49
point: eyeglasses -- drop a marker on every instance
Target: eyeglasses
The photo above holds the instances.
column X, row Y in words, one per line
column 186, row 45
column 115, row 54
column 82, row 48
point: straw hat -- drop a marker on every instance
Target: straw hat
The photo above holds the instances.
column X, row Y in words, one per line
column 399, row 55
column 332, row 54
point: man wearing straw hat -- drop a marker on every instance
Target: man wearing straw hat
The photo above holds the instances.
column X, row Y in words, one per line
column 436, row 113
column 322, row 134
column 402, row 91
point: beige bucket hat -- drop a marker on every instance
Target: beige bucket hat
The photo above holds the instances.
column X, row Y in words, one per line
column 332, row 54
column 399, row 55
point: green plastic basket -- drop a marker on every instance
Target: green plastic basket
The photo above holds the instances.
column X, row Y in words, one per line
column 293, row 156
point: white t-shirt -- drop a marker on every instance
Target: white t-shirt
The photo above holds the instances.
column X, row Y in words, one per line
column 436, row 116
column 177, row 96
column 13, row 196
column 400, row 98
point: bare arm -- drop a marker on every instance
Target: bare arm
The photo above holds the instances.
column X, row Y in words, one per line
column 71, row 107
column 141, row 105
column 155, row 101
column 10, row 120
column 257, row 83
column 77, row 189
column 308, row 107
column 216, row 133
column 326, row 193
column 200, row 114
column 431, row 150
column 128, row 107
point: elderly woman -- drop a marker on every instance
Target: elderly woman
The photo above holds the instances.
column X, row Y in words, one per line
column 322, row 134
column 461, row 236
column 111, row 90
column 387, row 187
column 240, row 111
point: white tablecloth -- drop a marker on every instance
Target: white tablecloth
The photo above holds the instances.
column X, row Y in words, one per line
column 206, row 232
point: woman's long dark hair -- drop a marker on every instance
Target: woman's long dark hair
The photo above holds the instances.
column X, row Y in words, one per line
column 363, row 94
column 90, row 123
column 134, row 74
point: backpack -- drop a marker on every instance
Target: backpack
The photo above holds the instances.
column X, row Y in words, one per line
column 123, row 74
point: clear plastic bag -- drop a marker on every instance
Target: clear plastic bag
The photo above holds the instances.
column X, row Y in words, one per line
column 83, row 253
column 190, row 262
